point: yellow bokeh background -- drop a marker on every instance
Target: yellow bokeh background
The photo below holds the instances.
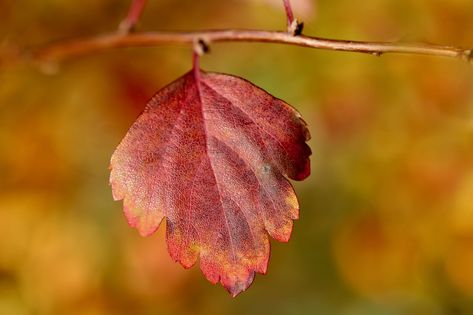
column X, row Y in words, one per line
column 386, row 221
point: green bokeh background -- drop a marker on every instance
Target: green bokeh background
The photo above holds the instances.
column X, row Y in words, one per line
column 386, row 221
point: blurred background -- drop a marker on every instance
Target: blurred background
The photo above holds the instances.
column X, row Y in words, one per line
column 386, row 221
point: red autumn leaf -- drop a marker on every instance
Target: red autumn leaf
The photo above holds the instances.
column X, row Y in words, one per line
column 210, row 153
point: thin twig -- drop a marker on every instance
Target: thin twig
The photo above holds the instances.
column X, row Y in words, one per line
column 76, row 47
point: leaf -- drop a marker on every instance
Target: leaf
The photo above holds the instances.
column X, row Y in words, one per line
column 210, row 154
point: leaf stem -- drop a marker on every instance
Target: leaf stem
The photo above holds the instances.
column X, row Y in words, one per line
column 77, row 47
column 289, row 13
column 134, row 14
column 196, row 64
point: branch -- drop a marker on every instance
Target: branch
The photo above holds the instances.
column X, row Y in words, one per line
column 77, row 47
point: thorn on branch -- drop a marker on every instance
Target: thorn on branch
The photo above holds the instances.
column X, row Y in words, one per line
column 201, row 46
column 467, row 55
column 295, row 28
column 126, row 28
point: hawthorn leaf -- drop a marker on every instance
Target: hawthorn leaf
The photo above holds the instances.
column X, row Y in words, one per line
column 211, row 153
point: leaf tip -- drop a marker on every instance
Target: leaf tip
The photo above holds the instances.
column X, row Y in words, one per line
column 145, row 221
column 304, row 172
column 240, row 286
